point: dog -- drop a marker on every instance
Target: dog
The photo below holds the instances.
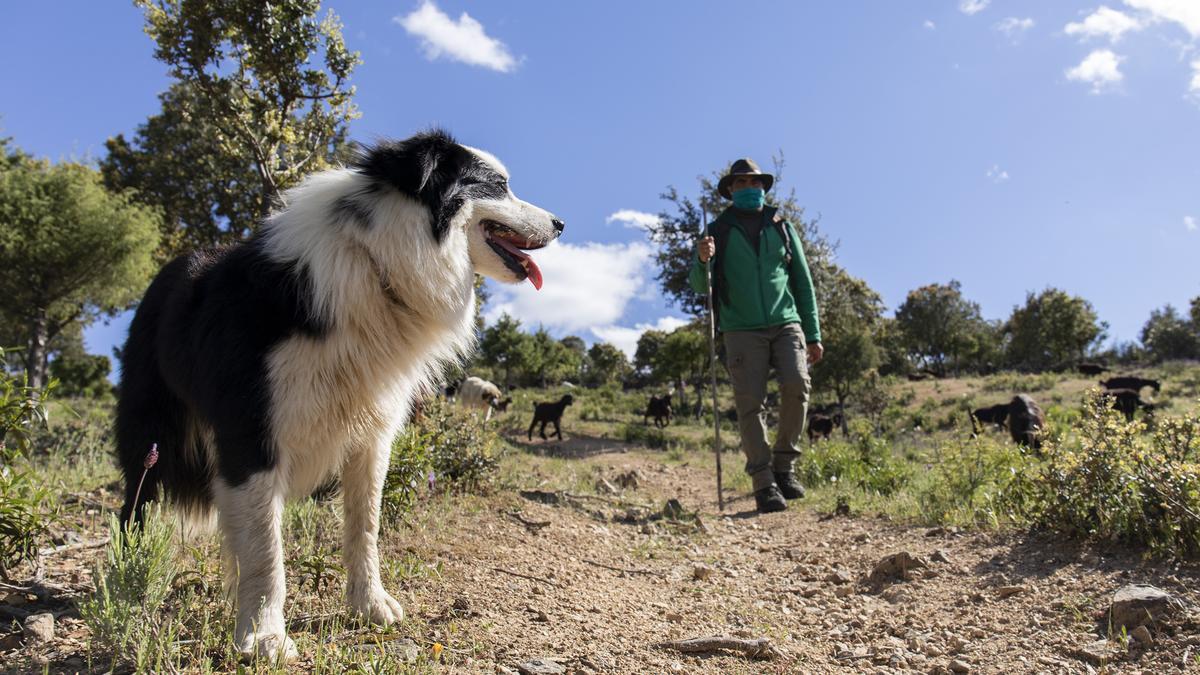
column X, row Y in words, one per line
column 264, row 369
column 476, row 393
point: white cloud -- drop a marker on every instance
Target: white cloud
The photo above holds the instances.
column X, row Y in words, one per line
column 586, row 285
column 973, row 6
column 1014, row 27
column 1186, row 13
column 463, row 40
column 1101, row 69
column 1194, row 85
column 930, row 24
column 626, row 339
column 996, row 174
column 1190, row 223
column 637, row 220
column 1104, row 22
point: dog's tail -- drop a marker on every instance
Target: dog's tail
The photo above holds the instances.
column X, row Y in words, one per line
column 150, row 415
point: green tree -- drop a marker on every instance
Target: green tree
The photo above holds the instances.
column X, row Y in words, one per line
column 680, row 224
column 81, row 374
column 271, row 78
column 648, row 344
column 1052, row 330
column 1167, row 336
column 503, row 347
column 939, row 325
column 179, row 162
column 548, row 361
column 682, row 358
column 851, row 316
column 606, row 364
column 70, row 251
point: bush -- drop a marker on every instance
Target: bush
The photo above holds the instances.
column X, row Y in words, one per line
column 644, row 434
column 82, row 375
column 448, row 449
column 865, row 462
column 1113, row 482
column 132, row 583
column 1009, row 382
column 968, row 482
column 23, row 522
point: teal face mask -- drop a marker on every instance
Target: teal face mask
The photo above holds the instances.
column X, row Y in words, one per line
column 750, row 198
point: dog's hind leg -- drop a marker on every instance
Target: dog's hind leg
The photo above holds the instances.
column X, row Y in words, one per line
column 251, row 516
column 362, row 490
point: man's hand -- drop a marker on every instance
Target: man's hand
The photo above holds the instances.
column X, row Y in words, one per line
column 815, row 353
column 706, row 248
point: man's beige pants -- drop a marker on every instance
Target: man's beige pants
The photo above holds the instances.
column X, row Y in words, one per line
column 751, row 354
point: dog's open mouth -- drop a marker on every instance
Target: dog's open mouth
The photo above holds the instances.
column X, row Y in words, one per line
column 511, row 246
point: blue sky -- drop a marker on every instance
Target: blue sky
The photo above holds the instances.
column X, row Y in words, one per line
column 1012, row 145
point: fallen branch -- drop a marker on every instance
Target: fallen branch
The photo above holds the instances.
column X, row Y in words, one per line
column 94, row 543
column 622, row 569
column 755, row 649
column 531, row 525
column 526, row 576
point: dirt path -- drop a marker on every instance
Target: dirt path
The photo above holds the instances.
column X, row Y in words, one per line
column 592, row 579
column 608, row 583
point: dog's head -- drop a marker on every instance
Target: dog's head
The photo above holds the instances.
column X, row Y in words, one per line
column 463, row 187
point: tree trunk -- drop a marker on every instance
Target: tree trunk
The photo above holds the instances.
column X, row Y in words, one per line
column 679, row 384
column 35, row 349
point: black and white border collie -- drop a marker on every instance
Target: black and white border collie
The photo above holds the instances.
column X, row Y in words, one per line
column 263, row 369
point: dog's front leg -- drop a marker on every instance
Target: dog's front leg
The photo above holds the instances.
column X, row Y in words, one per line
column 362, row 490
column 251, row 516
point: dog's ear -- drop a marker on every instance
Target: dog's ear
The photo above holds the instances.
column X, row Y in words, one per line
column 426, row 167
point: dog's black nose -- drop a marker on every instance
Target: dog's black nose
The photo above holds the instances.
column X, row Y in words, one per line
column 558, row 225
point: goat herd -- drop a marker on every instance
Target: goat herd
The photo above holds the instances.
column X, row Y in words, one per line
column 1022, row 416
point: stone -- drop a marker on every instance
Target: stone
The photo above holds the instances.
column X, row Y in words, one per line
column 542, row 666
column 960, row 666
column 673, row 617
column 1142, row 635
column 702, row 572
column 39, row 628
column 1096, row 653
column 939, row 556
column 897, row 566
column 1137, row 605
column 838, row 577
column 1006, row 591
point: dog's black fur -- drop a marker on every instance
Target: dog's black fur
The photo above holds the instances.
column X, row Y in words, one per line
column 1026, row 421
column 547, row 413
column 821, row 425
column 996, row 415
column 659, row 407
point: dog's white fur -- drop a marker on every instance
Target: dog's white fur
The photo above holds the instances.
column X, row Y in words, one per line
column 338, row 401
column 477, row 393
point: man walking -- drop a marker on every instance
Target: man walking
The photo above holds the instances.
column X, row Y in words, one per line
column 765, row 305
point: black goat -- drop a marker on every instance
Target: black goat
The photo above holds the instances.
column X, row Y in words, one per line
column 1127, row 402
column 994, row 414
column 502, row 406
column 822, row 425
column 1026, row 421
column 549, row 412
column 659, row 408
column 1134, row 383
column 1091, row 369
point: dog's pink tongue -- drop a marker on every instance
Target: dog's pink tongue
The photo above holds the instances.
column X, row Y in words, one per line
column 535, row 274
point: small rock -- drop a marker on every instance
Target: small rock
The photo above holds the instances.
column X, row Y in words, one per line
column 1005, row 591
column 958, row 644
column 838, row 577
column 702, row 572
column 1096, row 653
column 862, row 537
column 896, row 566
column 39, row 628
column 629, row 479
column 1142, row 635
column 939, row 556
column 542, row 666
column 673, row 617
column 960, row 666
column 605, row 487
column 1136, row 605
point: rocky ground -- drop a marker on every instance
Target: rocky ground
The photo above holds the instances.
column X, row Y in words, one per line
column 542, row 576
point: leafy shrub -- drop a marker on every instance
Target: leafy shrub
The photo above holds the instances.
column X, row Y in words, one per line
column 969, row 481
column 23, row 522
column 82, row 375
column 1112, row 481
column 1009, row 382
column 865, row 462
column 644, row 434
column 132, row 582
column 449, row 449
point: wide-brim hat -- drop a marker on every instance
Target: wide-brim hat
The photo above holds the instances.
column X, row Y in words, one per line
column 743, row 167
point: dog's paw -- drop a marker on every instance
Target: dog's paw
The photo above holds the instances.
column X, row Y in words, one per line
column 268, row 646
column 377, row 607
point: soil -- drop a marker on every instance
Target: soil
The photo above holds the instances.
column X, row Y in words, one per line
column 596, row 581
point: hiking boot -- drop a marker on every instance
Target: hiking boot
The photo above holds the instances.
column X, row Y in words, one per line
column 768, row 500
column 789, row 487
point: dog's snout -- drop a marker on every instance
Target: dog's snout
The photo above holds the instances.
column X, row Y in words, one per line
column 558, row 225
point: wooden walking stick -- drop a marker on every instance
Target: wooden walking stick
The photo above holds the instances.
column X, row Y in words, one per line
column 712, row 361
